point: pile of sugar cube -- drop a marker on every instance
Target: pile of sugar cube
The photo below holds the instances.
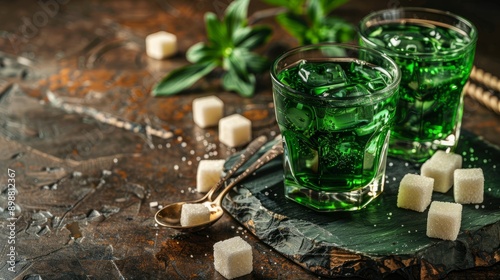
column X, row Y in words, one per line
column 207, row 175
column 232, row 257
column 234, row 130
column 438, row 174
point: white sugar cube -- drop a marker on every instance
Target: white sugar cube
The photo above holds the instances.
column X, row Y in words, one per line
column 452, row 158
column 193, row 214
column 233, row 257
column 441, row 167
column 468, row 185
column 235, row 130
column 153, row 204
column 208, row 174
column 161, row 45
column 415, row 192
column 444, row 219
column 207, row 111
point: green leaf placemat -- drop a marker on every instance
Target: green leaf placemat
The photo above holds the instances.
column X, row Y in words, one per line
column 381, row 239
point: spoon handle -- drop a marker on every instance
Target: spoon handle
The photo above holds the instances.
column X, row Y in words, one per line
column 272, row 153
column 250, row 150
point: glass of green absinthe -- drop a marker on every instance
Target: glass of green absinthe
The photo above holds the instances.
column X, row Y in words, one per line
column 335, row 106
column 435, row 52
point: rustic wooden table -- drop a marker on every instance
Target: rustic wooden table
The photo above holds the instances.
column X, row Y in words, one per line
column 84, row 184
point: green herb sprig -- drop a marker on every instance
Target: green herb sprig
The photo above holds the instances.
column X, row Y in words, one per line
column 311, row 22
column 229, row 45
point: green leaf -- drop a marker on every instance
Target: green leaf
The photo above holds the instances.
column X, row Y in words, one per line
column 241, row 34
column 308, row 25
column 233, row 82
column 237, row 64
column 182, row 78
column 235, row 16
column 200, row 52
column 293, row 24
column 255, row 63
column 229, row 43
column 330, row 5
column 282, row 3
column 294, row 6
column 251, row 37
column 334, row 29
column 315, row 11
column 312, row 37
column 216, row 30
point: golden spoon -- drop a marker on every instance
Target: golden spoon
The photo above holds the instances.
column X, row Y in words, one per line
column 169, row 216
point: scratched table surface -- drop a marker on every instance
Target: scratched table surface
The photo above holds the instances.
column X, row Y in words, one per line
column 87, row 148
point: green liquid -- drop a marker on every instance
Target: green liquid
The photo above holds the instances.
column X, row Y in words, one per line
column 333, row 146
column 433, row 77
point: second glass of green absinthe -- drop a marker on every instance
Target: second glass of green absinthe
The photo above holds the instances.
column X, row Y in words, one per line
column 433, row 76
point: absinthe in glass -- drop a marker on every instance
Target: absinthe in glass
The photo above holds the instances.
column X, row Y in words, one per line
column 334, row 129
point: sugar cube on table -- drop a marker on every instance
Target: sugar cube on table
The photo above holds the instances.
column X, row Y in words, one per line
column 235, row 130
column 441, row 167
column 153, row 204
column 444, row 219
column 233, row 257
column 415, row 192
column 193, row 214
column 208, row 174
column 468, row 185
column 161, row 45
column 207, row 111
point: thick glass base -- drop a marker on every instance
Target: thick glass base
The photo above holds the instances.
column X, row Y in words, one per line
column 421, row 151
column 323, row 201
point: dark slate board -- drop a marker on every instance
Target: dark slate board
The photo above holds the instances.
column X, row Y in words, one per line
column 381, row 239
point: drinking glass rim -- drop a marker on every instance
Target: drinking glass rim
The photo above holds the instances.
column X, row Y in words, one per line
column 373, row 97
column 473, row 35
